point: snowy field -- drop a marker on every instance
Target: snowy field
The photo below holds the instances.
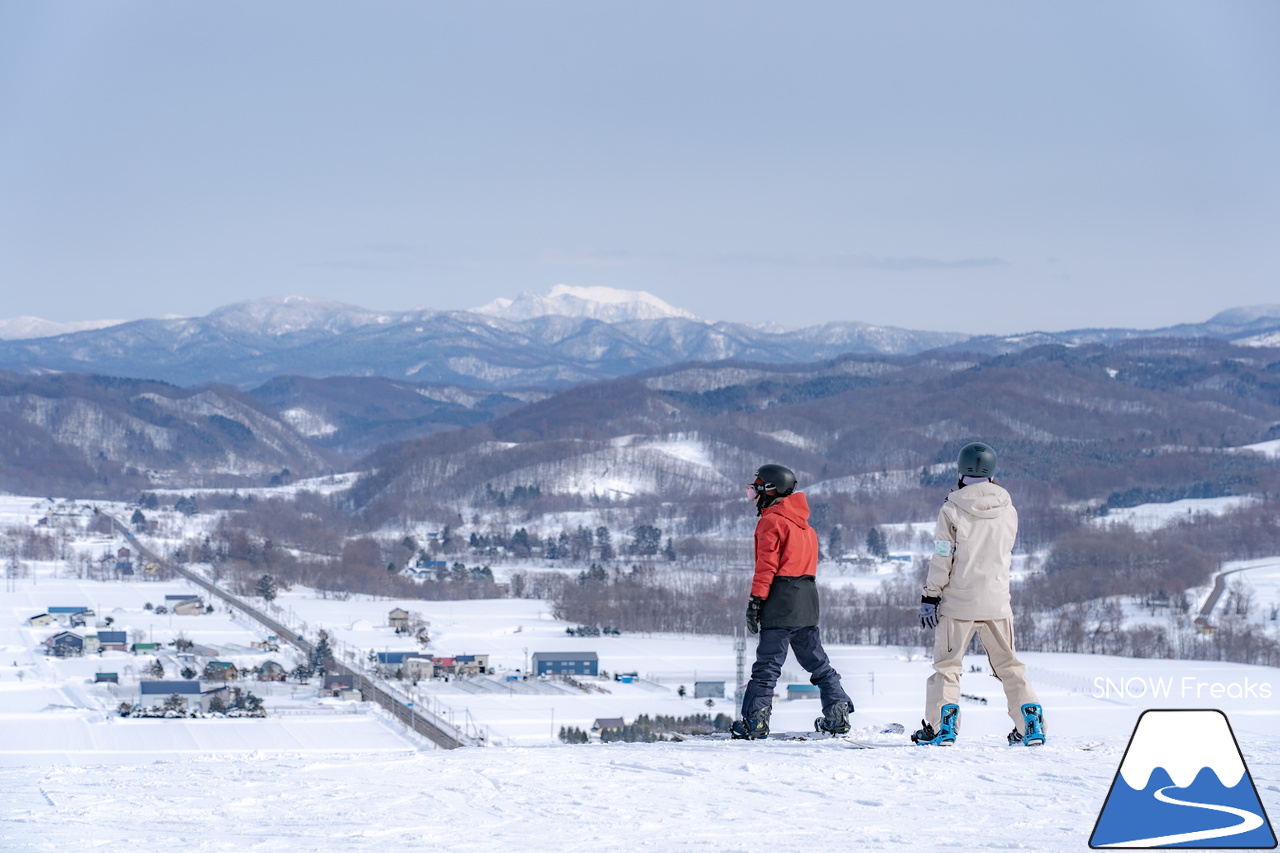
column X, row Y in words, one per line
column 1147, row 517
column 319, row 774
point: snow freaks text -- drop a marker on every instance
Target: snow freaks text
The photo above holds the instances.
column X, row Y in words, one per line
column 1187, row 687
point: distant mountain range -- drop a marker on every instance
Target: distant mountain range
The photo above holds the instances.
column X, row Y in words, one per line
column 569, row 336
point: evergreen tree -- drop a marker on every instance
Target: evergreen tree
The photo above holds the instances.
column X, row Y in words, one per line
column 647, row 539
column 876, row 544
column 322, row 654
column 604, row 541
column 267, row 588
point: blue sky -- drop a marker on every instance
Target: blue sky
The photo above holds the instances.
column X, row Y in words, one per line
column 984, row 167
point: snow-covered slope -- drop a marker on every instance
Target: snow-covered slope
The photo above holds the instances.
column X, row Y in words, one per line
column 73, row 775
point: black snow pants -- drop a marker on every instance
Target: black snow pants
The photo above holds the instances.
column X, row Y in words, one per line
column 770, row 655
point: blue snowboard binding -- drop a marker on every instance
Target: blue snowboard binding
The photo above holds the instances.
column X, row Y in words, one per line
column 1033, row 723
column 947, row 728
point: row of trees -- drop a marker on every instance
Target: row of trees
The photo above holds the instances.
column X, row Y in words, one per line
column 241, row 703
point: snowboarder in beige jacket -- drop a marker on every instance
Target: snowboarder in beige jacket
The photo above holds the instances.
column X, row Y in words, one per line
column 967, row 591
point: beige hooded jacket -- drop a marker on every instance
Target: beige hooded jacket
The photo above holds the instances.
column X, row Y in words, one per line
column 973, row 549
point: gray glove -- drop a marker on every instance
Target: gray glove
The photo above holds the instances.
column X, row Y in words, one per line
column 929, row 612
column 753, row 614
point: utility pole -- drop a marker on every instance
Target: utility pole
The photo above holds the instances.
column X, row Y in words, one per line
column 740, row 647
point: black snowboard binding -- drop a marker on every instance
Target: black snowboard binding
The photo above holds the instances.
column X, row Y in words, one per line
column 752, row 728
column 834, row 719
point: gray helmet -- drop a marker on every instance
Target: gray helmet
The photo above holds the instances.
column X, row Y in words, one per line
column 775, row 478
column 977, row 460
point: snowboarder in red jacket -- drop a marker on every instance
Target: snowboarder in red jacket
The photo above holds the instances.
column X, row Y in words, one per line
column 783, row 608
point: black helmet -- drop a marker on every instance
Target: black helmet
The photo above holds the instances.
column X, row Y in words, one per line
column 779, row 480
column 977, row 460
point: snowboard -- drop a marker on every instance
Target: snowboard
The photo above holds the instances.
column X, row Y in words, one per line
column 847, row 740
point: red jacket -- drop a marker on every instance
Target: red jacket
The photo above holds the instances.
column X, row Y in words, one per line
column 786, row 546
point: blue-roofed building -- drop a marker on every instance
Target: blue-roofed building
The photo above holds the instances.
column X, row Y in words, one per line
column 197, row 694
column 393, row 658
column 471, row 664
column 168, row 688
column 64, row 644
column 113, row 641
column 803, row 691
column 566, row 663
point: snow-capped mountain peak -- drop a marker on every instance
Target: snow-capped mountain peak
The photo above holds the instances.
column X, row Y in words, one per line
column 22, row 328
column 608, row 304
column 1247, row 314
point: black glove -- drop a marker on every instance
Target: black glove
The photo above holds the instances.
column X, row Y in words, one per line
column 929, row 612
column 753, row 614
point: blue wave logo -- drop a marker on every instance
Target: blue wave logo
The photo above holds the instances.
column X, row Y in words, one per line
column 1183, row 783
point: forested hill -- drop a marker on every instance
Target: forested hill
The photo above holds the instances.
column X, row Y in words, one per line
column 873, row 437
column 99, row 436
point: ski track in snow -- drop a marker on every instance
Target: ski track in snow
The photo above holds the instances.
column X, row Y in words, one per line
column 725, row 796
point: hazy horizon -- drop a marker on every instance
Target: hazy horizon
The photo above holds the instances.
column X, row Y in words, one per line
column 90, row 323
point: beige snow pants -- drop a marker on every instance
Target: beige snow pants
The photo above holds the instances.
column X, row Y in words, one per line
column 951, row 639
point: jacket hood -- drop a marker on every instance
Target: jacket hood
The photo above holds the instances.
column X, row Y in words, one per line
column 981, row 500
column 794, row 507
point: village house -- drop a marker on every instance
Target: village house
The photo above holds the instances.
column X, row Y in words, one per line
column 271, row 671
column 338, row 685
column 398, row 618
column 708, row 690
column 419, row 667
column 64, row 644
column 40, row 620
column 604, row 724
column 471, row 664
column 389, row 661
column 106, row 678
column 113, row 641
column 196, row 694
column 185, row 605
column 443, row 666
column 64, row 613
column 220, row 670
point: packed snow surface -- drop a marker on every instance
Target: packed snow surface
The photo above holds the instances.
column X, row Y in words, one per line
column 323, row 774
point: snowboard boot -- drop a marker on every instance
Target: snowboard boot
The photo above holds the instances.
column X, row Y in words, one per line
column 834, row 719
column 1033, row 722
column 947, row 728
column 751, row 728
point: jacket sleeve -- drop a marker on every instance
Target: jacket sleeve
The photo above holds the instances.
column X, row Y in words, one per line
column 768, row 556
column 944, row 549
